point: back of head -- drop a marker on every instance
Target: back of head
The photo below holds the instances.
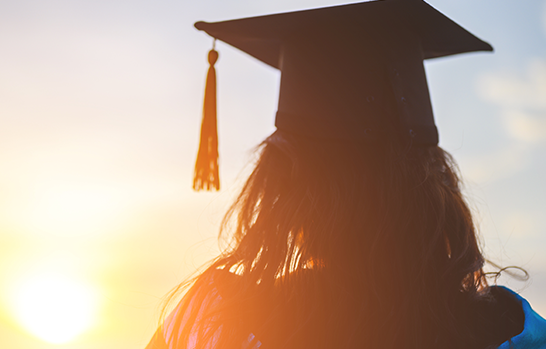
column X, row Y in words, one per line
column 352, row 230
column 377, row 237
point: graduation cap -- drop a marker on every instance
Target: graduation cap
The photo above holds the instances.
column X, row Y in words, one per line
column 352, row 72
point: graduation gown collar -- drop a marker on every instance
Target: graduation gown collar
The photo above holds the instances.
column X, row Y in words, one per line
column 533, row 335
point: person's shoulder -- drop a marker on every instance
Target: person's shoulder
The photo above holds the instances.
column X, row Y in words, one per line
column 533, row 332
column 201, row 299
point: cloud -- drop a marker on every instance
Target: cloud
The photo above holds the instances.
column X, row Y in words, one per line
column 525, row 126
column 522, row 99
column 511, row 90
column 497, row 165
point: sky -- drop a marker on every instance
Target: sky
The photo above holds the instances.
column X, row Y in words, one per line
column 100, row 109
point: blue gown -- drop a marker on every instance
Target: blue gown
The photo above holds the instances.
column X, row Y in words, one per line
column 533, row 335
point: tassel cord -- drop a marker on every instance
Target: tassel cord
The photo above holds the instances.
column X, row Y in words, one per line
column 206, row 176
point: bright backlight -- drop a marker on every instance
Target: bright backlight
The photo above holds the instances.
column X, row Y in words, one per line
column 54, row 307
column 73, row 209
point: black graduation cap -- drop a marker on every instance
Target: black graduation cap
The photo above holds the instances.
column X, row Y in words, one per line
column 352, row 72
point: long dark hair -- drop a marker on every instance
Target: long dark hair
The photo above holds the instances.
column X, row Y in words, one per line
column 343, row 245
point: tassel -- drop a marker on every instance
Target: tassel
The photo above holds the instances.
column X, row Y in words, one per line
column 206, row 166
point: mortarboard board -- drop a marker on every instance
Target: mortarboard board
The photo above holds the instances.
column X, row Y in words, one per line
column 352, row 72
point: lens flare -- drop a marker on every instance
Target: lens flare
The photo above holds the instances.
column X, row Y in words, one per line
column 55, row 307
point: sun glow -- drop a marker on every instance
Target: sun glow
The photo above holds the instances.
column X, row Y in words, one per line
column 55, row 307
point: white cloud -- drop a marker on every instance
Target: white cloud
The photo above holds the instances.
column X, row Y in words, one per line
column 525, row 126
column 497, row 165
column 511, row 90
column 522, row 100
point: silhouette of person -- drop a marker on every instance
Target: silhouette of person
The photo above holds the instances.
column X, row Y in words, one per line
column 352, row 231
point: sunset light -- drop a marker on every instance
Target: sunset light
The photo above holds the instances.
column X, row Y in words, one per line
column 101, row 108
column 77, row 208
column 54, row 307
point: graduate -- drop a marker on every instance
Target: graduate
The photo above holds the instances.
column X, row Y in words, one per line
column 351, row 231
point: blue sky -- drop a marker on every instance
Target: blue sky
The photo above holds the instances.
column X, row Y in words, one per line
column 100, row 108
